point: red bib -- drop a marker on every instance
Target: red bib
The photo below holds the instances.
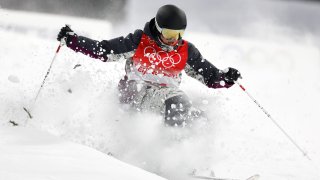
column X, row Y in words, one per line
column 149, row 58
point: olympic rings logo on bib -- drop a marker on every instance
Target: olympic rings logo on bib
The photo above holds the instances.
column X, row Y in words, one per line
column 162, row 57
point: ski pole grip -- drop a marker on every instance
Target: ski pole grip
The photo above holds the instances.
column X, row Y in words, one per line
column 62, row 43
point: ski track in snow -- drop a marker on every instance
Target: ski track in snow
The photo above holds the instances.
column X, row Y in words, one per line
column 81, row 105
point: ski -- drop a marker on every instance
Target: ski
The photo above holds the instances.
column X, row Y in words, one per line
column 254, row 177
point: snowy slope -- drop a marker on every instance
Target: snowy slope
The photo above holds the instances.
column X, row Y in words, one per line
column 239, row 140
column 27, row 153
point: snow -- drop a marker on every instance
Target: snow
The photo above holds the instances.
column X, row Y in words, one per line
column 27, row 153
column 237, row 141
column 13, row 79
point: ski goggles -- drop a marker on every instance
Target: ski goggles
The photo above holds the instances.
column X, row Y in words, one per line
column 172, row 34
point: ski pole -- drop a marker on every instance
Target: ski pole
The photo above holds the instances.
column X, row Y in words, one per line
column 62, row 42
column 275, row 122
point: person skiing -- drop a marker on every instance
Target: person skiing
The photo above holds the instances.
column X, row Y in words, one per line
column 155, row 58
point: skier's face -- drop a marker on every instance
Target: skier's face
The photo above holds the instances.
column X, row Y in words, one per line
column 170, row 42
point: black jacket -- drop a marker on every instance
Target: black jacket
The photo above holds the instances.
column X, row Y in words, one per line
column 124, row 47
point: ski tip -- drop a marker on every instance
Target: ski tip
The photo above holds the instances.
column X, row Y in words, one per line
column 254, row 177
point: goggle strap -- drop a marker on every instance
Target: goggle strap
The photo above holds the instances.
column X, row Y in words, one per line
column 157, row 26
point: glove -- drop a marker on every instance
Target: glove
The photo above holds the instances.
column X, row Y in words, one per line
column 231, row 75
column 64, row 33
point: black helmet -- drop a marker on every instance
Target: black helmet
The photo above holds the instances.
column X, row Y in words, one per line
column 171, row 17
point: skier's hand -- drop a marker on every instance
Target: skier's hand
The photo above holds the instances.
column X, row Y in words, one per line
column 231, row 75
column 65, row 32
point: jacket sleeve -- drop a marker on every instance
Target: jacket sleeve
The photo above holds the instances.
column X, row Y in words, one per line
column 106, row 50
column 202, row 70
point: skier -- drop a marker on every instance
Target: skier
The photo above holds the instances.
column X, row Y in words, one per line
column 155, row 58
